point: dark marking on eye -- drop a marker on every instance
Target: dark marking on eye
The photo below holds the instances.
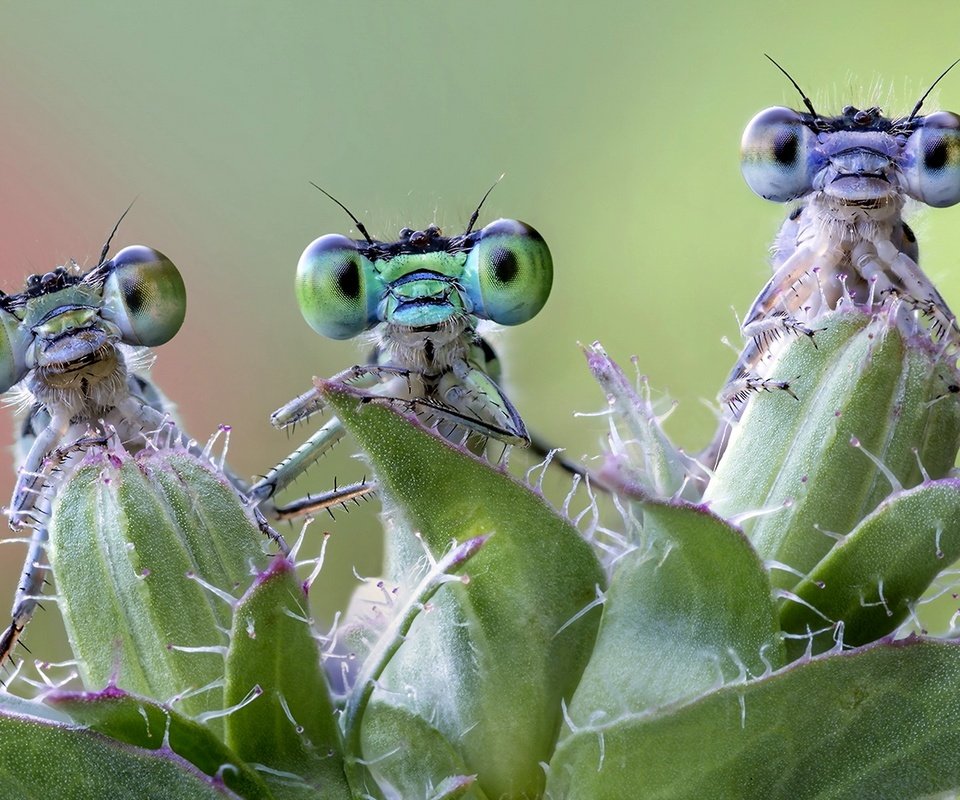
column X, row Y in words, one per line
column 135, row 297
column 504, row 262
column 348, row 280
column 785, row 148
column 935, row 154
column 908, row 233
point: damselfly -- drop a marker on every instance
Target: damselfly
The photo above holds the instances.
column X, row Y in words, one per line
column 422, row 297
column 846, row 240
column 73, row 353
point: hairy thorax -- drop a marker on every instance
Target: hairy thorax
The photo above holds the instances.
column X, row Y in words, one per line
column 430, row 351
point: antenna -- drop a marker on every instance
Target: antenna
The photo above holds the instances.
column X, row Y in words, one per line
column 476, row 214
column 106, row 247
column 916, row 108
column 806, row 100
column 356, row 222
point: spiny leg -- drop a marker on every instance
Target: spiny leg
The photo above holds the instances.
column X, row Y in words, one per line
column 475, row 391
column 304, row 406
column 39, row 464
column 338, row 496
column 284, row 473
column 29, row 589
column 296, row 463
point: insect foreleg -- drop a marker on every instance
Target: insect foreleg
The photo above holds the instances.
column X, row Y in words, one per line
column 310, row 402
column 31, row 477
column 786, row 290
column 476, row 392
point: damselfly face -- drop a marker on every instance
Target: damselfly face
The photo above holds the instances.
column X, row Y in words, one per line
column 63, row 332
column 502, row 273
column 422, row 297
column 859, row 158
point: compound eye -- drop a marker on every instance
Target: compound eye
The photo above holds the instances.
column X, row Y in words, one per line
column 933, row 150
column 144, row 296
column 14, row 341
column 774, row 155
column 336, row 287
column 509, row 272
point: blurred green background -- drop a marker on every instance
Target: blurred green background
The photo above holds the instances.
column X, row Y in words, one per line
column 617, row 126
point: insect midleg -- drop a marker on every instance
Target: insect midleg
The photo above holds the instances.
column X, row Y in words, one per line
column 284, row 473
column 292, row 466
column 297, row 462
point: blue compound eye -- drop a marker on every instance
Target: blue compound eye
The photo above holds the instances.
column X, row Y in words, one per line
column 144, row 296
column 509, row 272
column 774, row 154
column 933, row 155
column 337, row 288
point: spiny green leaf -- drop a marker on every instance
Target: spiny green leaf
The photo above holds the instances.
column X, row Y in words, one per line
column 492, row 660
column 146, row 724
column 44, row 761
column 290, row 728
column 643, row 455
column 126, row 536
column 691, row 610
column 428, row 760
column 870, row 578
column 881, row 722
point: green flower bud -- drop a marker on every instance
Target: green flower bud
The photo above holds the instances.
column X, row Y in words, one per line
column 136, row 546
column 870, row 410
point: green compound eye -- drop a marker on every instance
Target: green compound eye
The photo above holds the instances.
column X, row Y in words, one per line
column 144, row 296
column 774, row 155
column 933, row 176
column 337, row 287
column 14, row 341
column 509, row 273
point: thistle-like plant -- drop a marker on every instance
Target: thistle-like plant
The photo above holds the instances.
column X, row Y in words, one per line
column 698, row 649
column 753, row 625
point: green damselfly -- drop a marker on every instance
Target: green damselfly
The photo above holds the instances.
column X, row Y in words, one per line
column 421, row 298
column 73, row 354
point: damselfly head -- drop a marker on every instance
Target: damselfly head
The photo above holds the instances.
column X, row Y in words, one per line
column 502, row 272
column 859, row 157
column 66, row 320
